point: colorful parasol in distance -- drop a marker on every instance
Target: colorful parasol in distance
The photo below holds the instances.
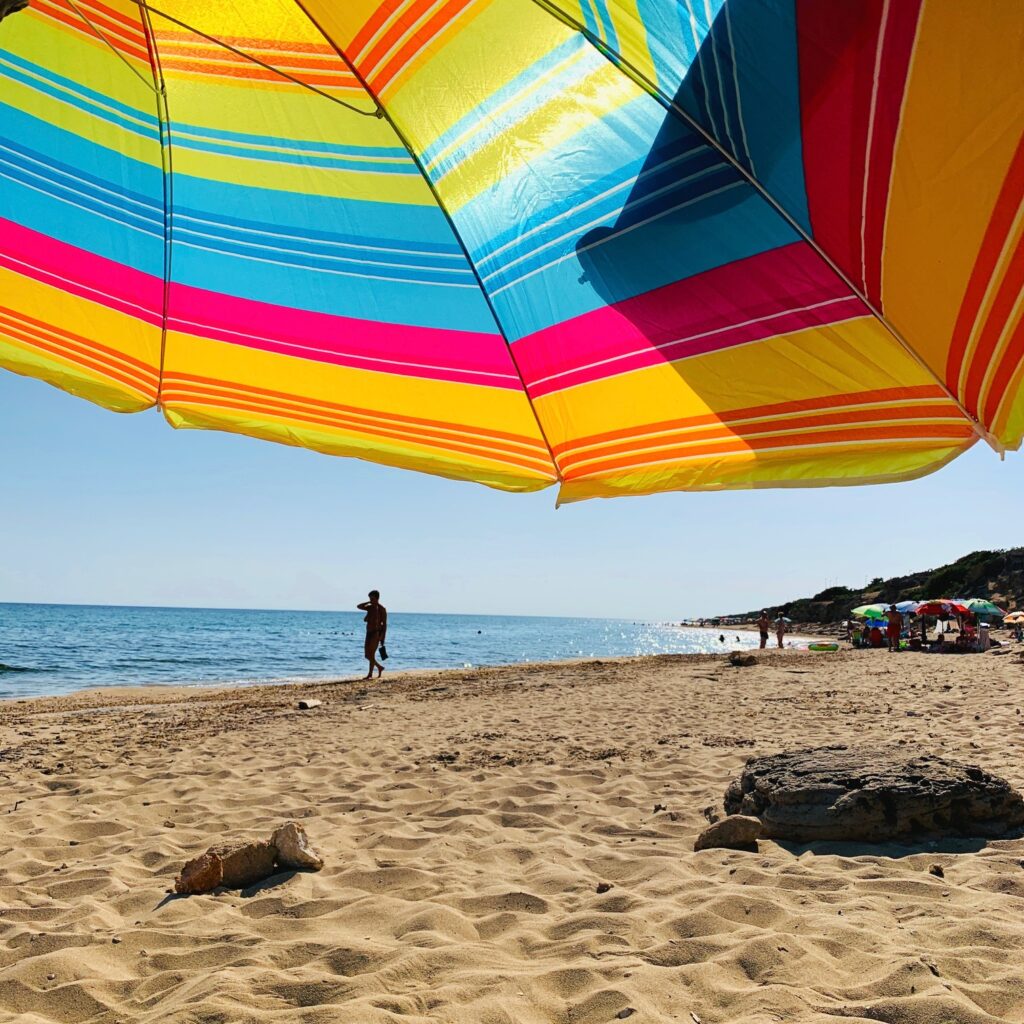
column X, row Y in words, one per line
column 870, row 611
column 622, row 248
column 942, row 609
column 982, row 606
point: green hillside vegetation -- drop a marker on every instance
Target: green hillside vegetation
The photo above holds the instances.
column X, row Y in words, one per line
column 996, row 575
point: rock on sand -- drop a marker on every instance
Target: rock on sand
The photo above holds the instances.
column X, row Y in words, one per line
column 872, row 794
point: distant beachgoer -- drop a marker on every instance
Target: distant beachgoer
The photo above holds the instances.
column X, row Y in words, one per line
column 849, row 630
column 376, row 620
column 984, row 640
column 721, row 638
column 780, row 629
column 762, row 624
column 894, row 628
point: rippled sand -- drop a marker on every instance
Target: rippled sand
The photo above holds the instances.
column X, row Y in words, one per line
column 467, row 820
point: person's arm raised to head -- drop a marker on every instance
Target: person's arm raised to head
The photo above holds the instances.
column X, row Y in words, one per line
column 364, row 607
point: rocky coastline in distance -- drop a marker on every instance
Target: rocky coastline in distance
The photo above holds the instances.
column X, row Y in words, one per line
column 996, row 575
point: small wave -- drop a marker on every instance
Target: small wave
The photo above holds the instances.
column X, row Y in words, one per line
column 4, row 669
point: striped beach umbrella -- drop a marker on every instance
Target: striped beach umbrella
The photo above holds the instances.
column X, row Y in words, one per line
column 870, row 611
column 617, row 247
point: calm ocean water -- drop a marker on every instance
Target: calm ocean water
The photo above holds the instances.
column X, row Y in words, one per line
column 48, row 649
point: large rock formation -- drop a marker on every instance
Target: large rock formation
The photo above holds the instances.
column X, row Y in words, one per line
column 872, row 794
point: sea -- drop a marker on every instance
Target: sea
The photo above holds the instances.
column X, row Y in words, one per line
column 61, row 648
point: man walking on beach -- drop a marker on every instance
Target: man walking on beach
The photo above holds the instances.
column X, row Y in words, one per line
column 894, row 628
column 762, row 625
column 780, row 629
column 376, row 620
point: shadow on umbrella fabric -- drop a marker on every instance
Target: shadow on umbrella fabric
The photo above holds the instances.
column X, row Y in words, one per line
column 762, row 298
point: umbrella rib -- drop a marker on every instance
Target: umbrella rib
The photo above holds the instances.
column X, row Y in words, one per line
column 619, row 61
column 102, row 35
column 382, row 112
column 255, row 60
column 167, row 180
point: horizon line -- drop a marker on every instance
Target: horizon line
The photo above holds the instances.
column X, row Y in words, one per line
column 332, row 611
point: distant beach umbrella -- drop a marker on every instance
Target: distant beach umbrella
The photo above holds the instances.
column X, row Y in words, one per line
column 871, row 611
column 1013, row 618
column 942, row 609
column 622, row 248
column 980, row 606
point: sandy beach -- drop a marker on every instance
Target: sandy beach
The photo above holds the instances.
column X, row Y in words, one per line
column 468, row 818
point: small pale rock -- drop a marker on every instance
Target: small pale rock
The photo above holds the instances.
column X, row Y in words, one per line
column 293, row 849
column 623, row 1014
column 737, row 832
column 741, row 660
column 603, row 887
column 309, row 703
column 936, row 870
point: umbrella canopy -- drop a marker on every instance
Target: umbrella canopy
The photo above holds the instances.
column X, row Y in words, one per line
column 980, row 606
column 942, row 609
column 870, row 611
column 1013, row 618
column 906, row 607
column 623, row 248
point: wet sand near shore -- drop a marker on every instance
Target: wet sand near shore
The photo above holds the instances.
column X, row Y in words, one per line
column 468, row 819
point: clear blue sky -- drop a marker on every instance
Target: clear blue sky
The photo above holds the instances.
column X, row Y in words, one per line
column 106, row 509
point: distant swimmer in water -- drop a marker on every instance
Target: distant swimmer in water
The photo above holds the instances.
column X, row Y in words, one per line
column 721, row 638
column 376, row 620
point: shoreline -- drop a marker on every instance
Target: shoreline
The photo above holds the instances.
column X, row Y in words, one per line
column 193, row 689
column 182, row 692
